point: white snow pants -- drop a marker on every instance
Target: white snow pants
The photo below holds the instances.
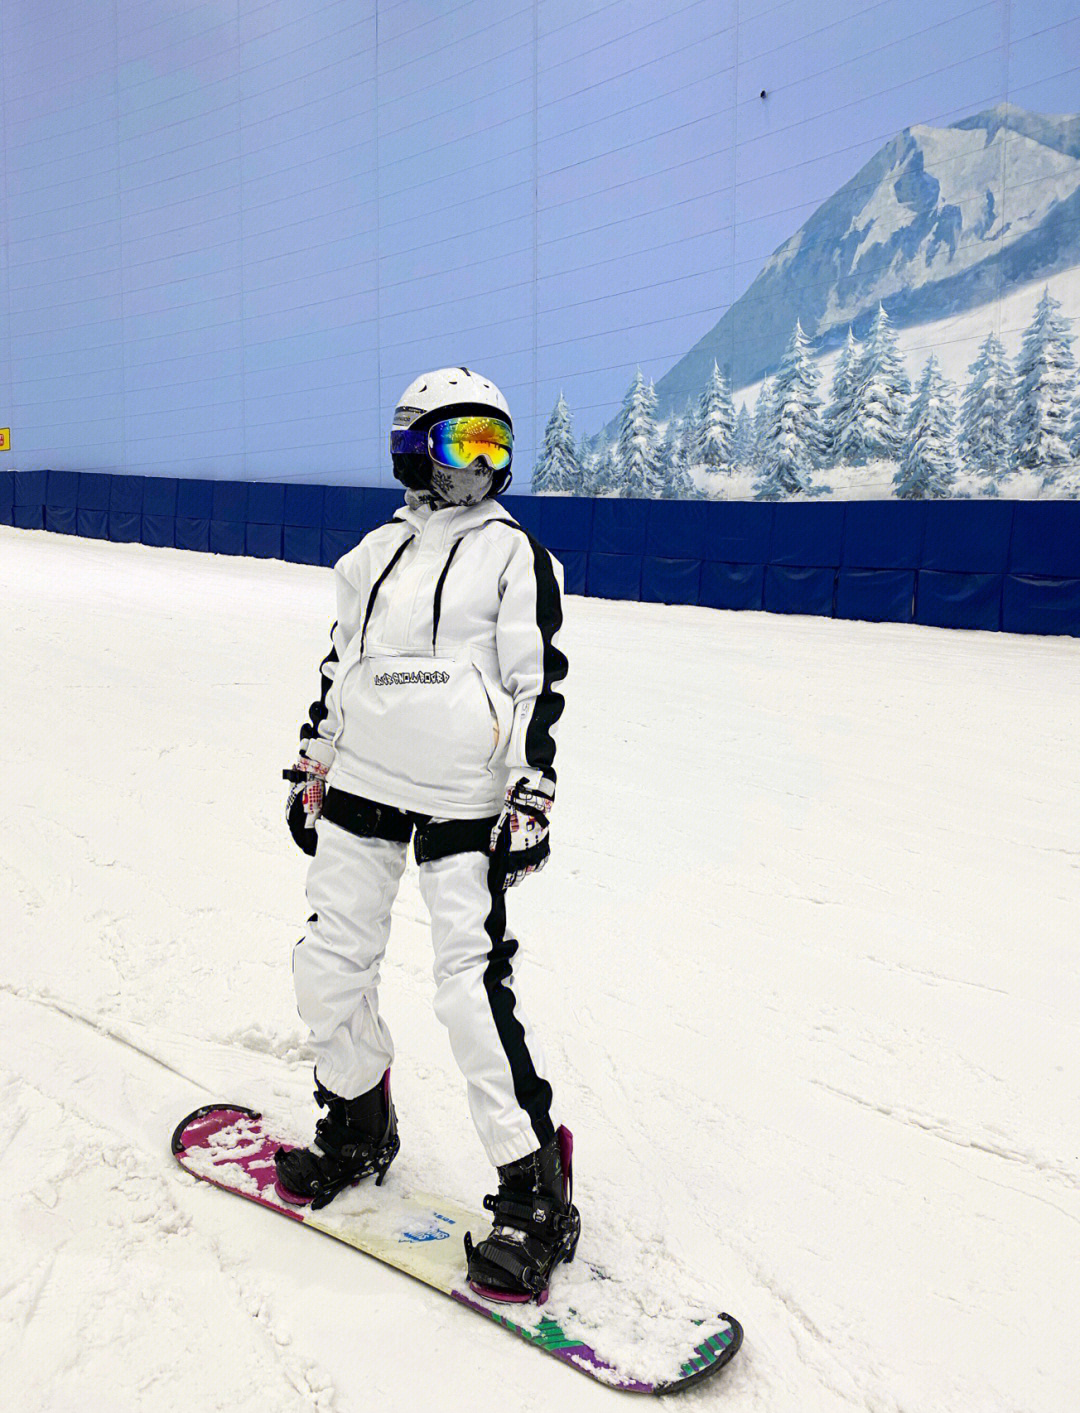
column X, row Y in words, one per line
column 351, row 885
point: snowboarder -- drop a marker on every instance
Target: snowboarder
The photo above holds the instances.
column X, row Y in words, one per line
column 435, row 724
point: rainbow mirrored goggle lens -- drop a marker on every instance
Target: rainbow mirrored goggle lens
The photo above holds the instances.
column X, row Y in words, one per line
column 458, row 442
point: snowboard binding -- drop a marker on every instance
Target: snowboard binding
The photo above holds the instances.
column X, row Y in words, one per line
column 535, row 1226
column 355, row 1139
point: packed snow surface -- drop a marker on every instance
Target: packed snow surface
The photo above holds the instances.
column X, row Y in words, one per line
column 805, row 960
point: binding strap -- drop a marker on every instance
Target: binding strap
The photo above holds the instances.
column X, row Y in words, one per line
column 496, row 1263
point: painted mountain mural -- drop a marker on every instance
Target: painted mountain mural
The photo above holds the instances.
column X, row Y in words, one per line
column 869, row 358
column 941, row 220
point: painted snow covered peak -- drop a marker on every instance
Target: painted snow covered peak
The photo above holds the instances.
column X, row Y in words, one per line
column 949, row 198
column 1057, row 130
column 939, row 221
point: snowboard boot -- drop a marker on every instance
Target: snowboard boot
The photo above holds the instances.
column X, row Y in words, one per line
column 535, row 1226
column 355, row 1138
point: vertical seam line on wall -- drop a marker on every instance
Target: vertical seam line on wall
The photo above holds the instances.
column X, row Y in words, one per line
column 535, row 233
column 378, row 256
column 1006, row 36
column 734, row 163
column 1006, row 41
column 4, row 236
column 120, row 232
column 243, row 264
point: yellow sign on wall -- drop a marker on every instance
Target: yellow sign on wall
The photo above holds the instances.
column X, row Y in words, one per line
column 5, row 438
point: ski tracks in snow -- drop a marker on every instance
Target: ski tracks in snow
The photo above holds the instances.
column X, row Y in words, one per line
column 105, row 1265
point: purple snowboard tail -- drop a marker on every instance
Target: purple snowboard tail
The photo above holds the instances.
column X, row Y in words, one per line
column 233, row 1148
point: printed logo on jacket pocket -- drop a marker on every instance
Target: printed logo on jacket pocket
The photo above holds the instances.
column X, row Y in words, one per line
column 401, row 679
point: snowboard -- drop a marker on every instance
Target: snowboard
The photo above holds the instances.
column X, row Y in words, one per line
column 233, row 1148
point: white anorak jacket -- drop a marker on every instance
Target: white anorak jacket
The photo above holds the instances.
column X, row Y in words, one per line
column 442, row 682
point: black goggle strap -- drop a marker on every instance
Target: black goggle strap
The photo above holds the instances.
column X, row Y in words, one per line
column 405, row 440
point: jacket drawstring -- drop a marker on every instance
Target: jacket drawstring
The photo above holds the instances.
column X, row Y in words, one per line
column 378, row 585
column 437, row 608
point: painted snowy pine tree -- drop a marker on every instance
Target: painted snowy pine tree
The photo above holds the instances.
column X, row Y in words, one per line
column 558, row 471
column 881, row 397
column 793, row 439
column 602, row 475
column 985, row 437
column 928, row 467
column 715, row 423
column 1045, row 384
column 742, row 443
column 839, row 432
column 635, row 454
column 688, row 422
column 674, row 457
column 763, row 415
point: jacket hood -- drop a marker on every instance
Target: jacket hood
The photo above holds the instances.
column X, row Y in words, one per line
column 459, row 517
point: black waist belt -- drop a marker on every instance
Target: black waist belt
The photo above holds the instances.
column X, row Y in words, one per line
column 453, row 836
column 367, row 819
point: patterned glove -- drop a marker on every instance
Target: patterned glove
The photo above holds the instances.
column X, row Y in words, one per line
column 305, row 800
column 520, row 835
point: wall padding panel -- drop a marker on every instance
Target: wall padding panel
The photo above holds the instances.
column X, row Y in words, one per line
column 988, row 564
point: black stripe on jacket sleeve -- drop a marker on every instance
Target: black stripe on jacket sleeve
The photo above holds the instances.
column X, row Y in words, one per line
column 317, row 712
column 539, row 742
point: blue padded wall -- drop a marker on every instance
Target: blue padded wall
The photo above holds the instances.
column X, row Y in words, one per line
column 1045, row 538
column 1040, row 605
column 732, row 585
column 563, row 523
column 947, row 600
column 989, row 564
column 92, row 524
column 192, row 533
column 195, row 499
column 670, row 580
column 160, row 495
column 968, row 536
column 265, row 503
column 345, row 508
column 675, row 529
column 227, row 536
column 882, row 534
column 803, row 589
column 60, row 520
column 619, row 526
column 738, row 532
column 125, row 508
column 264, row 541
column 877, row 595
column 92, row 502
column 613, row 576
column 230, row 503
column 61, row 500
column 807, row 535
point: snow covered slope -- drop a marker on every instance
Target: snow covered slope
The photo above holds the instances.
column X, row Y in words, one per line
column 805, row 960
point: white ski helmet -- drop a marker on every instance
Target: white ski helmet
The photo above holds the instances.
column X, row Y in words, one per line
column 435, row 397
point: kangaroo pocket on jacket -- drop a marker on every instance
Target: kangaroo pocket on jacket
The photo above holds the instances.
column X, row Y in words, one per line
column 428, row 724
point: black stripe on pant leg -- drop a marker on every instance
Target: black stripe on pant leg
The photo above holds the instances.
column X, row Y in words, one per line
column 531, row 1092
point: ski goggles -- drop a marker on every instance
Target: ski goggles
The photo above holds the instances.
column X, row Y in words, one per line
column 459, row 441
